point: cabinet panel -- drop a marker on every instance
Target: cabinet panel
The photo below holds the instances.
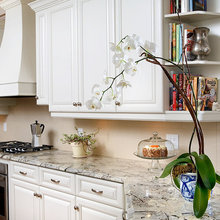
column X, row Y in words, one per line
column 95, row 31
column 25, row 172
column 144, row 18
column 106, row 192
column 23, row 204
column 57, row 180
column 42, row 66
column 63, row 77
column 56, row 205
column 96, row 211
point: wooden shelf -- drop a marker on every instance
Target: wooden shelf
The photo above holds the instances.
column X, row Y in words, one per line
column 197, row 63
column 193, row 16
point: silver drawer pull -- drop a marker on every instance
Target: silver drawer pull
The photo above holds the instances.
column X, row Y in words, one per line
column 55, row 181
column 95, row 191
column 23, row 173
column 38, row 195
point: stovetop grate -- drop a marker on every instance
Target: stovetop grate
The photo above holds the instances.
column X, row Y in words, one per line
column 21, row 147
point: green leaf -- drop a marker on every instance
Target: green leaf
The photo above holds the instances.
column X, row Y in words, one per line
column 194, row 154
column 206, row 170
column 183, row 155
column 169, row 166
column 200, row 201
column 217, row 178
column 176, row 181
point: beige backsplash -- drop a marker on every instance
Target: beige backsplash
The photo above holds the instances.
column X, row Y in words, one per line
column 115, row 138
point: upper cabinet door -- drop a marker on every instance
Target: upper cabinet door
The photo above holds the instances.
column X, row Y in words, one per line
column 42, row 65
column 143, row 18
column 95, row 31
column 63, row 57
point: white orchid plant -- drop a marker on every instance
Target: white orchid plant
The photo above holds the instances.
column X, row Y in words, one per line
column 206, row 175
column 128, row 67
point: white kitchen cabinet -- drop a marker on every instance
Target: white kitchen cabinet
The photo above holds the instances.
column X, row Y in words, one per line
column 144, row 18
column 23, row 204
column 56, row 205
column 79, row 52
column 44, row 194
column 89, row 210
column 79, row 33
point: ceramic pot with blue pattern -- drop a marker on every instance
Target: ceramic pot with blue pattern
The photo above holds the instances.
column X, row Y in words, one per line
column 188, row 185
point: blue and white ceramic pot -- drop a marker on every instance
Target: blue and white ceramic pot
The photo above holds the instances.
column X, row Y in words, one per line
column 188, row 185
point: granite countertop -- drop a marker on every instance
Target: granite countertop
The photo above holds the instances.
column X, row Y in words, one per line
column 146, row 196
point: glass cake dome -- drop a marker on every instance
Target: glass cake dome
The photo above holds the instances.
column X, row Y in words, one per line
column 155, row 148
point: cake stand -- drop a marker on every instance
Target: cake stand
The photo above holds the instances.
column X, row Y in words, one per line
column 155, row 162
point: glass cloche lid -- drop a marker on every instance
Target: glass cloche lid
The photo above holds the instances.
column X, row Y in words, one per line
column 156, row 148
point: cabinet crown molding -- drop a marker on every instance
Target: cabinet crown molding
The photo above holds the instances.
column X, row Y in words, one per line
column 40, row 5
column 7, row 4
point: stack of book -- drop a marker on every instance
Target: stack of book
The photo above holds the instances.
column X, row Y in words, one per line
column 180, row 38
column 205, row 92
column 182, row 6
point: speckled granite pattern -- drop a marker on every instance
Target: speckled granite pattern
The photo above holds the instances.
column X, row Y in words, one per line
column 146, row 196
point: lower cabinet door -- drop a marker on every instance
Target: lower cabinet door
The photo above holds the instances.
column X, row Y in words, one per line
column 89, row 210
column 57, row 205
column 23, row 203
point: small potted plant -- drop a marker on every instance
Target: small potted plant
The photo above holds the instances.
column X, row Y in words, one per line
column 82, row 143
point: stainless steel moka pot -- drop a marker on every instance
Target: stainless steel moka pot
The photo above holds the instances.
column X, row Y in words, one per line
column 36, row 130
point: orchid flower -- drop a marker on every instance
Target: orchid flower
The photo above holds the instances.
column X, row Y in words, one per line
column 131, row 67
column 96, row 90
column 93, row 103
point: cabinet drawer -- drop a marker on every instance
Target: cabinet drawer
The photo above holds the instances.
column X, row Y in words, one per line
column 25, row 172
column 57, row 180
column 106, row 192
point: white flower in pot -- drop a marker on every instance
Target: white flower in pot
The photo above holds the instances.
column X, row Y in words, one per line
column 82, row 143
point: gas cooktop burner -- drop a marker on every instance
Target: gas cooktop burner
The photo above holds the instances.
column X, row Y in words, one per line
column 21, row 147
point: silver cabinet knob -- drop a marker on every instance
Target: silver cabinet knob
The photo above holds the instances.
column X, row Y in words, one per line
column 75, row 104
column 36, row 97
column 76, row 208
column 38, row 195
column 117, row 103
column 79, row 104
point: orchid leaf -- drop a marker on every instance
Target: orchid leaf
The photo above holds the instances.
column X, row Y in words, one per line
column 200, row 201
column 206, row 170
column 183, row 155
column 169, row 166
column 217, row 178
column 194, row 154
column 176, row 181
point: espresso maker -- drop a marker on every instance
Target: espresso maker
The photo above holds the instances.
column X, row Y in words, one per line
column 36, row 130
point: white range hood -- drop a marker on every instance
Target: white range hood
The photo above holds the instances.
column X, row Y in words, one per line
column 17, row 50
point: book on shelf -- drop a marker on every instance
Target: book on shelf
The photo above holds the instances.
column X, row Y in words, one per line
column 204, row 88
column 180, row 101
column 199, row 5
column 174, row 93
column 180, row 37
column 177, row 42
column 208, row 94
column 188, row 43
column 184, row 6
column 174, row 41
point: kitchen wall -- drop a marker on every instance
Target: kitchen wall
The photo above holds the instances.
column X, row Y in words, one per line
column 115, row 138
